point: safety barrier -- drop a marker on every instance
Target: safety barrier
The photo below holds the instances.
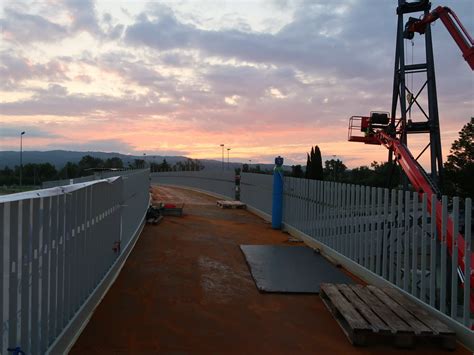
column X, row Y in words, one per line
column 60, row 250
column 256, row 191
column 388, row 233
column 98, row 175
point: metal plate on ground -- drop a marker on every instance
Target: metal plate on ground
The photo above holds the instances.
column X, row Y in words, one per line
column 290, row 269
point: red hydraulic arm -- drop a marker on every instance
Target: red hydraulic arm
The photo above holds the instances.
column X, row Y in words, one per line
column 420, row 182
column 452, row 24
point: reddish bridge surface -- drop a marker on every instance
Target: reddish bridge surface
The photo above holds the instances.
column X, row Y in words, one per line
column 186, row 289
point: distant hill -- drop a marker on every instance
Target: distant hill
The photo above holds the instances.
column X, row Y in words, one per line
column 60, row 157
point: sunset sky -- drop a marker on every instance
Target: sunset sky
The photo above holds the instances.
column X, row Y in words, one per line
column 265, row 78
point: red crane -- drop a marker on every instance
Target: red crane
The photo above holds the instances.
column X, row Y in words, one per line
column 378, row 128
column 452, row 24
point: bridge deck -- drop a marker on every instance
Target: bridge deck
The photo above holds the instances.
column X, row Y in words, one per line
column 187, row 289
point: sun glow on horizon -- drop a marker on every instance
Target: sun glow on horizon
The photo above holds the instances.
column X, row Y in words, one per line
column 267, row 78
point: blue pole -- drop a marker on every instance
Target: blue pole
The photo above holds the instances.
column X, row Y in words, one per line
column 277, row 201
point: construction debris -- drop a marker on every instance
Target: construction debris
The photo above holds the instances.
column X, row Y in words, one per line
column 231, row 204
column 171, row 209
column 154, row 215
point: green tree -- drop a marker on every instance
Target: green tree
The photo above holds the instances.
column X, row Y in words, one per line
column 114, row 163
column 8, row 177
column 138, row 164
column 360, row 175
column 164, row 166
column 46, row 172
column 308, row 166
column 35, row 174
column 314, row 164
column 192, row 165
column 297, row 171
column 69, row 171
column 87, row 163
column 334, row 170
column 459, row 168
column 385, row 174
column 376, row 175
column 198, row 165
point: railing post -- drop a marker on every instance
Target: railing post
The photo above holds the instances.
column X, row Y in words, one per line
column 424, row 239
column 454, row 259
column 433, row 252
column 406, row 242
column 237, row 186
column 393, row 237
column 414, row 248
column 443, row 283
column 467, row 264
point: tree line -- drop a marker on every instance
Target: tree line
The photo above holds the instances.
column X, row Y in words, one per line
column 186, row 165
column 335, row 170
column 36, row 173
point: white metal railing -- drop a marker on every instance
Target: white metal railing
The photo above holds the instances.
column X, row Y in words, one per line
column 57, row 246
column 98, row 175
column 388, row 232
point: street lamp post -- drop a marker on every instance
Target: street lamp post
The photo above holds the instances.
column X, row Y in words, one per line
column 21, row 157
column 222, row 145
column 228, row 164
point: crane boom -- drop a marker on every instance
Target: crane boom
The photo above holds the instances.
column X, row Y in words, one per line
column 422, row 184
column 452, row 24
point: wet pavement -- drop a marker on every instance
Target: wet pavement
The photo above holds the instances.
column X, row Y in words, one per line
column 186, row 289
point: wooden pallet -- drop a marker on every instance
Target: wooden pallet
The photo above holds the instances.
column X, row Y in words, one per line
column 367, row 314
column 231, row 204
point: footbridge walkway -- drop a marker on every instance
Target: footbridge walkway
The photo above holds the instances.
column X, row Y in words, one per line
column 82, row 273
